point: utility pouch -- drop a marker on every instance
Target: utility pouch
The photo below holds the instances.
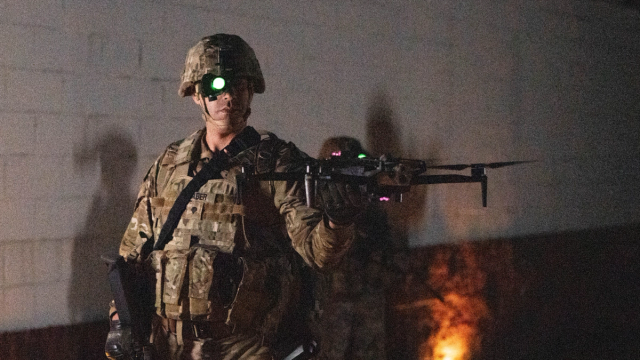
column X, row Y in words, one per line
column 194, row 284
column 200, row 280
column 174, row 274
column 158, row 260
column 169, row 267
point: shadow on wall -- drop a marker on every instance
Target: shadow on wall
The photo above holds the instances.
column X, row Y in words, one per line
column 384, row 138
column 110, row 211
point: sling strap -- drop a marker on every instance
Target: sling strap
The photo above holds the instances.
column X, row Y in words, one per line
column 247, row 138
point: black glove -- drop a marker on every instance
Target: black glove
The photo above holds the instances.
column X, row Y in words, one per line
column 341, row 201
column 119, row 343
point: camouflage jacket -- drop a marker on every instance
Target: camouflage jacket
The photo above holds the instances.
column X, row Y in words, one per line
column 273, row 221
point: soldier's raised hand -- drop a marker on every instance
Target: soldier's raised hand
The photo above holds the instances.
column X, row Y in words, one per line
column 341, row 201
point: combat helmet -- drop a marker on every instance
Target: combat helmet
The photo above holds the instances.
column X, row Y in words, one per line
column 220, row 55
column 343, row 146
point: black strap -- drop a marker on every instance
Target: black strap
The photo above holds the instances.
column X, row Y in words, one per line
column 247, row 138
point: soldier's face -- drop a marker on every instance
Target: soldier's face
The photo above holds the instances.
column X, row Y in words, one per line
column 229, row 111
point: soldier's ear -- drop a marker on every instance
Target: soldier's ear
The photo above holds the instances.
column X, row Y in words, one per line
column 199, row 100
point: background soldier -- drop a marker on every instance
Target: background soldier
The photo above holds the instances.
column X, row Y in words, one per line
column 353, row 322
column 234, row 280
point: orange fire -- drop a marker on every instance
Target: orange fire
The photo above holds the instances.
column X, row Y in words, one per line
column 449, row 312
column 455, row 322
column 454, row 318
column 456, row 335
column 452, row 348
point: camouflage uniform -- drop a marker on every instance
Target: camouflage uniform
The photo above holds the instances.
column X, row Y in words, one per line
column 234, row 280
column 268, row 237
column 353, row 322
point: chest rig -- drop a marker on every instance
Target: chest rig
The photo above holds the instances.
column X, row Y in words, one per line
column 209, row 218
column 204, row 234
column 202, row 209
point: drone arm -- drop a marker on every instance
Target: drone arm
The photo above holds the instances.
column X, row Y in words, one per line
column 479, row 171
column 477, row 175
column 444, row 179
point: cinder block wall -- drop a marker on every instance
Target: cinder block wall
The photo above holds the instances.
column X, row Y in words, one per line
column 88, row 98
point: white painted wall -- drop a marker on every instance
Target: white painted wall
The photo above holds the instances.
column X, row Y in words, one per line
column 88, row 98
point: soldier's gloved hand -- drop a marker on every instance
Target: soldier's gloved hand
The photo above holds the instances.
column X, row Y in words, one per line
column 119, row 343
column 342, row 201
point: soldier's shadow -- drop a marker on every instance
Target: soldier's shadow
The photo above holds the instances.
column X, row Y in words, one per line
column 384, row 138
column 106, row 221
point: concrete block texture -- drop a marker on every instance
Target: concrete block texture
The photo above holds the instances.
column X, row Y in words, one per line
column 40, row 48
column 50, row 305
column 117, row 17
column 16, row 219
column 49, row 214
column 19, row 308
column 102, row 94
column 113, row 56
column 47, row 260
column 33, row 177
column 58, row 135
column 3, row 84
column 17, row 133
column 45, row 13
column 34, row 91
column 2, row 272
column 18, row 263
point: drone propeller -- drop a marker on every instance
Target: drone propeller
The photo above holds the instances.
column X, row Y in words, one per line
column 489, row 165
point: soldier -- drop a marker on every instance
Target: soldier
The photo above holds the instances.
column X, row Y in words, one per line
column 234, row 280
column 353, row 322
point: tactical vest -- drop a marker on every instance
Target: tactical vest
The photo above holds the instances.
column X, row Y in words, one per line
column 188, row 283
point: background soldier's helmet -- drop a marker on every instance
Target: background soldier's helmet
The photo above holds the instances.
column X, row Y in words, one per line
column 344, row 146
column 236, row 59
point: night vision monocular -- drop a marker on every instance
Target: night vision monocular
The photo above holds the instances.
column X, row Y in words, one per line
column 213, row 85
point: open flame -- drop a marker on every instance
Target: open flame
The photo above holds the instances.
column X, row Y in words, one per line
column 448, row 299
column 451, row 348
column 456, row 322
column 455, row 317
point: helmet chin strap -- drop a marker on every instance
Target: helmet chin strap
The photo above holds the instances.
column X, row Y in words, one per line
column 204, row 105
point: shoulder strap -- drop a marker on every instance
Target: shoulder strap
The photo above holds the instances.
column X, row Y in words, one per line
column 247, row 138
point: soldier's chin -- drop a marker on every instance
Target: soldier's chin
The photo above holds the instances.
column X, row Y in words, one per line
column 230, row 124
column 237, row 121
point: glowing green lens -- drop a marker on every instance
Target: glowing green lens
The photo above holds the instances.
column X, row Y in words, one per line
column 362, row 156
column 218, row 83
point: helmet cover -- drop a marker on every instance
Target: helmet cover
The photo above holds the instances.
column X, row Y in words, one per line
column 220, row 55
